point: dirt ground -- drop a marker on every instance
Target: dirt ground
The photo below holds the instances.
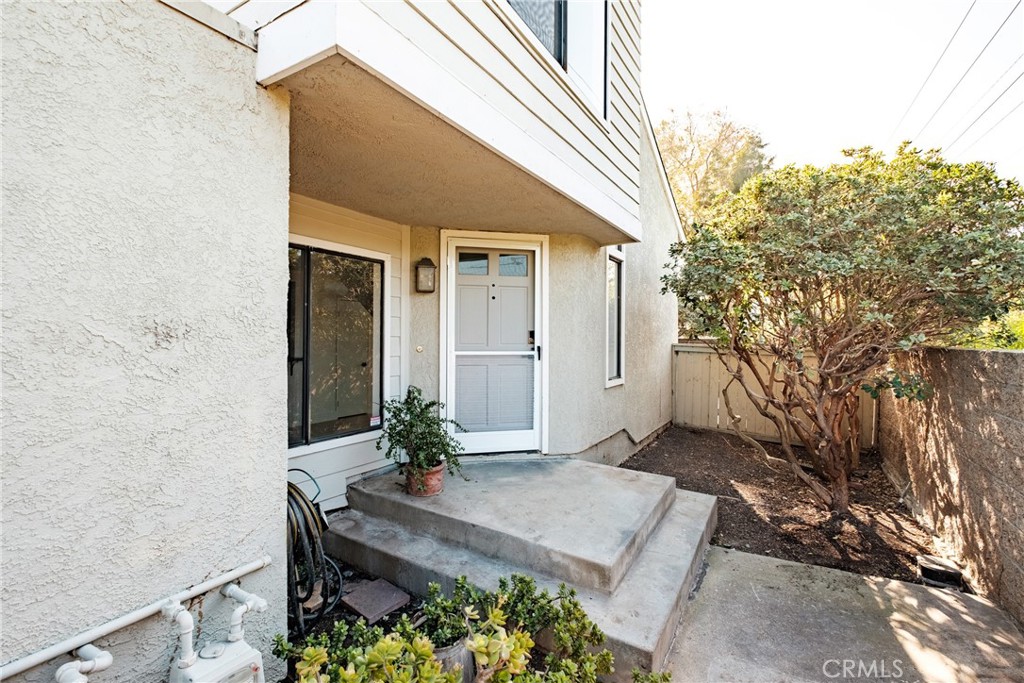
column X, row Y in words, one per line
column 763, row 509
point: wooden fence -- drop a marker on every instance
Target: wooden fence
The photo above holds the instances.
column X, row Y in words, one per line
column 699, row 378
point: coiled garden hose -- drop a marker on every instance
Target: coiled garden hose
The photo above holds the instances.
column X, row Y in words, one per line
column 307, row 563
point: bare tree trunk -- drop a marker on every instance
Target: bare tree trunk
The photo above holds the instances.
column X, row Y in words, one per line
column 734, row 423
column 840, row 487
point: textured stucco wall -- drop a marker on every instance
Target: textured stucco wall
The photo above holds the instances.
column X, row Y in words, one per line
column 961, row 452
column 583, row 412
column 145, row 213
column 424, row 366
column 655, row 315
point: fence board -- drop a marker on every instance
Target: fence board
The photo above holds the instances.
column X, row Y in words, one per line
column 697, row 401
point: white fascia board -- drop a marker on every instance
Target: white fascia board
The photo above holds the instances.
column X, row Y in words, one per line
column 258, row 13
column 296, row 40
column 317, row 30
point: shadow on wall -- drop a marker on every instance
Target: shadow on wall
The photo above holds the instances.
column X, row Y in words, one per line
column 962, row 452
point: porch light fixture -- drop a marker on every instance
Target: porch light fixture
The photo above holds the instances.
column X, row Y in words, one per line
column 426, row 276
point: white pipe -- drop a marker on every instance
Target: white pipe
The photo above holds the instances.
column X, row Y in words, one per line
column 248, row 602
column 85, row 637
column 90, row 659
column 183, row 618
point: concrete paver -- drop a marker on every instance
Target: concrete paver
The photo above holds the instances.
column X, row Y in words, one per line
column 375, row 600
column 757, row 618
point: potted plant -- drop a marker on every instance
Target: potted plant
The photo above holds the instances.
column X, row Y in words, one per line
column 414, row 428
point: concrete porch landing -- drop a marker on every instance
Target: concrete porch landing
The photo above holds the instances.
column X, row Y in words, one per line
column 629, row 542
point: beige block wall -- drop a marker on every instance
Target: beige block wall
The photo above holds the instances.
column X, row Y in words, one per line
column 145, row 214
column 962, row 451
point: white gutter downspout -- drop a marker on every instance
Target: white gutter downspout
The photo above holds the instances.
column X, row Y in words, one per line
column 90, row 659
column 86, row 637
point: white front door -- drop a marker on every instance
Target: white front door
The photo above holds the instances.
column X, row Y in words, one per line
column 494, row 369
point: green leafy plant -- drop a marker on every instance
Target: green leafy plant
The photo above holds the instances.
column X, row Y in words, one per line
column 530, row 609
column 909, row 386
column 529, row 635
column 340, row 645
column 573, row 641
column 575, row 657
column 499, row 653
column 394, row 659
column 360, row 654
column 1003, row 331
column 413, row 429
column 444, row 616
column 651, row 677
column 808, row 281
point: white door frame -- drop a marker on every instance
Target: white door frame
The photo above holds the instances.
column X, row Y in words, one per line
column 450, row 241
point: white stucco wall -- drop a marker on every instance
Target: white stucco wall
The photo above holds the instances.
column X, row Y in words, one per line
column 145, row 215
column 426, row 317
column 583, row 412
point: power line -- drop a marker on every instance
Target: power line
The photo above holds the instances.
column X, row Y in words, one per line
column 934, row 66
column 996, row 125
column 957, row 85
column 981, row 98
column 1019, row 76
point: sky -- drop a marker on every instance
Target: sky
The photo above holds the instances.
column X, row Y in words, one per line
column 815, row 77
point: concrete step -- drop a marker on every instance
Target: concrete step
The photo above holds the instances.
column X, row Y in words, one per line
column 576, row 520
column 639, row 617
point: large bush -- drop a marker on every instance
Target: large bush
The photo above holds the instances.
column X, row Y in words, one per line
column 809, row 279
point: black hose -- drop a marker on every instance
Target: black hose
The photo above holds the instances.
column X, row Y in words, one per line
column 307, row 563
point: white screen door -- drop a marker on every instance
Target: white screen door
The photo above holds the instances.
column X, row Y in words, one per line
column 493, row 358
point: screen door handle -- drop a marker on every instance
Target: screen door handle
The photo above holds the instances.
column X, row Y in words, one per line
column 538, row 352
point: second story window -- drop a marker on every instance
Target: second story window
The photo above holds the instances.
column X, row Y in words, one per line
column 546, row 18
column 575, row 32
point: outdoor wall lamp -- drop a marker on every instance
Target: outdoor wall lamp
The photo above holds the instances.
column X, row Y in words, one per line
column 426, row 275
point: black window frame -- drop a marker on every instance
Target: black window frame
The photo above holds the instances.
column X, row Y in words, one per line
column 307, row 319
column 561, row 43
column 616, row 255
column 561, row 30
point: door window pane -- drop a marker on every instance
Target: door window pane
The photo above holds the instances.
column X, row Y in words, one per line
column 513, row 265
column 472, row 264
column 335, row 331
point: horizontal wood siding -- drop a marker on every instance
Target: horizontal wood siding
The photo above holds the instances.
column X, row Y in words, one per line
column 335, row 468
column 699, row 380
column 624, row 76
column 479, row 44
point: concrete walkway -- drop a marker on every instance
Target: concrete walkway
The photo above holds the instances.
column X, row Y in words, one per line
column 761, row 619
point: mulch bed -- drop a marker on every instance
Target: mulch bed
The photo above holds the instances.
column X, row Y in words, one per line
column 763, row 509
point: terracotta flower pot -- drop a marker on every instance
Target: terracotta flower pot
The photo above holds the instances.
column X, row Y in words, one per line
column 425, row 482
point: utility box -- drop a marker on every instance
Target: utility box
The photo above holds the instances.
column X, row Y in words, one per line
column 223, row 662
